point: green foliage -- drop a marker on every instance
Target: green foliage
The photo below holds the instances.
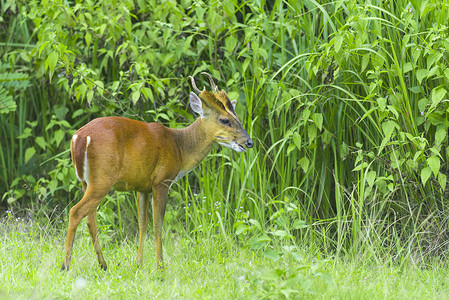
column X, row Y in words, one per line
column 10, row 83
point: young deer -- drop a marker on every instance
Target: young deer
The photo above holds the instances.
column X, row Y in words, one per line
column 129, row 155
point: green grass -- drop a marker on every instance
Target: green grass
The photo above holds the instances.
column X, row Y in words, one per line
column 198, row 268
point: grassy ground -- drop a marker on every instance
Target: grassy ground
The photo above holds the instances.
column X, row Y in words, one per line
column 198, row 268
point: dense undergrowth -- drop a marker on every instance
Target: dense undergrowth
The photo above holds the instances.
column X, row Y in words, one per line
column 346, row 101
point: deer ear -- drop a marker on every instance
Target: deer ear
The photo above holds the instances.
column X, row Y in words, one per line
column 196, row 104
column 234, row 102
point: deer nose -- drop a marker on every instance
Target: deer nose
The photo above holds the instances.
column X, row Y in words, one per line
column 249, row 143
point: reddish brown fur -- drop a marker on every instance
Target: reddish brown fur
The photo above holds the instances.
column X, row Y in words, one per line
column 125, row 140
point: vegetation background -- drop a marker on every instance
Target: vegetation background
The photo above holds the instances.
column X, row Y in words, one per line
column 347, row 104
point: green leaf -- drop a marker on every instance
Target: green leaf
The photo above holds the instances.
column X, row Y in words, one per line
column 338, row 43
column 280, row 233
column 290, row 148
column 148, row 94
column 415, row 89
column 360, row 166
column 344, row 151
column 407, row 67
column 318, row 119
column 382, row 102
column 42, row 47
column 51, row 61
column 446, row 73
column 425, row 175
column 271, row 254
column 41, row 142
column 258, row 242
column 388, row 128
column 311, row 130
column 135, row 96
column 214, row 19
column 421, row 74
column 304, row 164
column 7, row 103
column 29, row 153
column 417, row 155
column 326, row 137
column 100, row 86
column 59, row 135
column 422, row 104
column 438, row 94
column 365, row 61
column 442, row 179
column 26, row 133
column 297, row 140
column 81, row 91
column 305, row 115
column 88, row 38
column 299, row 224
column 371, row 177
column 230, row 43
column 440, row 135
column 241, row 229
column 90, row 96
column 434, row 164
column 432, row 58
column 255, row 223
column 102, row 28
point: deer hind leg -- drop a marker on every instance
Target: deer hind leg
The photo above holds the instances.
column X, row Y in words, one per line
column 87, row 205
column 143, row 203
column 92, row 226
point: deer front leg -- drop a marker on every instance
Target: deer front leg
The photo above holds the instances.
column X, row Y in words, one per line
column 160, row 193
column 143, row 203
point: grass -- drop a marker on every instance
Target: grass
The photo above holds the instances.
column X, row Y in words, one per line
column 198, row 268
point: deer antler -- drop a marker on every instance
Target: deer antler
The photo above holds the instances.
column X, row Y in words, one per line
column 212, row 83
column 194, row 85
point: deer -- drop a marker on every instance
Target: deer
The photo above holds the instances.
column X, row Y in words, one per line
column 128, row 155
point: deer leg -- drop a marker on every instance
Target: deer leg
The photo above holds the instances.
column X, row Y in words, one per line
column 87, row 204
column 92, row 226
column 143, row 201
column 160, row 193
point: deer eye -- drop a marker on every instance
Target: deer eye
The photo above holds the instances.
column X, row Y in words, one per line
column 225, row 122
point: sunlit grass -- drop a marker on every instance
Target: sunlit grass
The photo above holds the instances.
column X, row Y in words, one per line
column 198, row 268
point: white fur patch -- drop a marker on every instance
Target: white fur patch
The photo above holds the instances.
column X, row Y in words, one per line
column 76, row 173
column 75, row 136
column 233, row 145
column 86, row 164
column 181, row 174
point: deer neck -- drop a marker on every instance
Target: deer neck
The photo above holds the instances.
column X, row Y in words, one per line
column 194, row 143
